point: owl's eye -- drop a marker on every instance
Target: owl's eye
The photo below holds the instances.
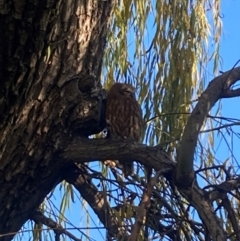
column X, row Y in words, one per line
column 128, row 91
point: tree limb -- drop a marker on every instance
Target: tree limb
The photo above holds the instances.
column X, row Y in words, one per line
column 217, row 88
column 80, row 150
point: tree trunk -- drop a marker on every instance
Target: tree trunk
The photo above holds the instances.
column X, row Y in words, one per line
column 50, row 63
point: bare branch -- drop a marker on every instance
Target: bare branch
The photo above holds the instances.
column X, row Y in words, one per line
column 221, row 127
column 80, row 150
column 185, row 174
column 216, row 89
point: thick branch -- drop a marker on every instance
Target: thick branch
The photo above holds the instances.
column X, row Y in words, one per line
column 203, row 205
column 218, row 88
column 81, row 150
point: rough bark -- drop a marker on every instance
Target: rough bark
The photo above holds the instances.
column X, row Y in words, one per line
column 50, row 62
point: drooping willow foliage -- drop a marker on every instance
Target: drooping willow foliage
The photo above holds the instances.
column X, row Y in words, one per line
column 162, row 47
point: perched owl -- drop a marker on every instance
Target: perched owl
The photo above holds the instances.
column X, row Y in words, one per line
column 123, row 117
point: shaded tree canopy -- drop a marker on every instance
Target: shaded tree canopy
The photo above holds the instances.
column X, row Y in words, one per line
column 56, row 58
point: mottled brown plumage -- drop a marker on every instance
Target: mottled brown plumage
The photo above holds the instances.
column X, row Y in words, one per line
column 123, row 117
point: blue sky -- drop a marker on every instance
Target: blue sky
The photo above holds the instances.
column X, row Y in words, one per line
column 230, row 44
column 230, row 53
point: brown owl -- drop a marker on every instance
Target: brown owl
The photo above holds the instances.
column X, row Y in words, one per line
column 123, row 117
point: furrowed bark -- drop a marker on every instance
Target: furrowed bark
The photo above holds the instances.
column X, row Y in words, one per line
column 43, row 45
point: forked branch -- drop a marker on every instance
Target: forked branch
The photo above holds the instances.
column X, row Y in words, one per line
column 218, row 88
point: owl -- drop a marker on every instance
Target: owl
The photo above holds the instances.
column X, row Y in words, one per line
column 123, row 117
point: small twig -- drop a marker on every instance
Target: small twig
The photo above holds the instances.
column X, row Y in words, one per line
column 223, row 118
column 221, row 127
